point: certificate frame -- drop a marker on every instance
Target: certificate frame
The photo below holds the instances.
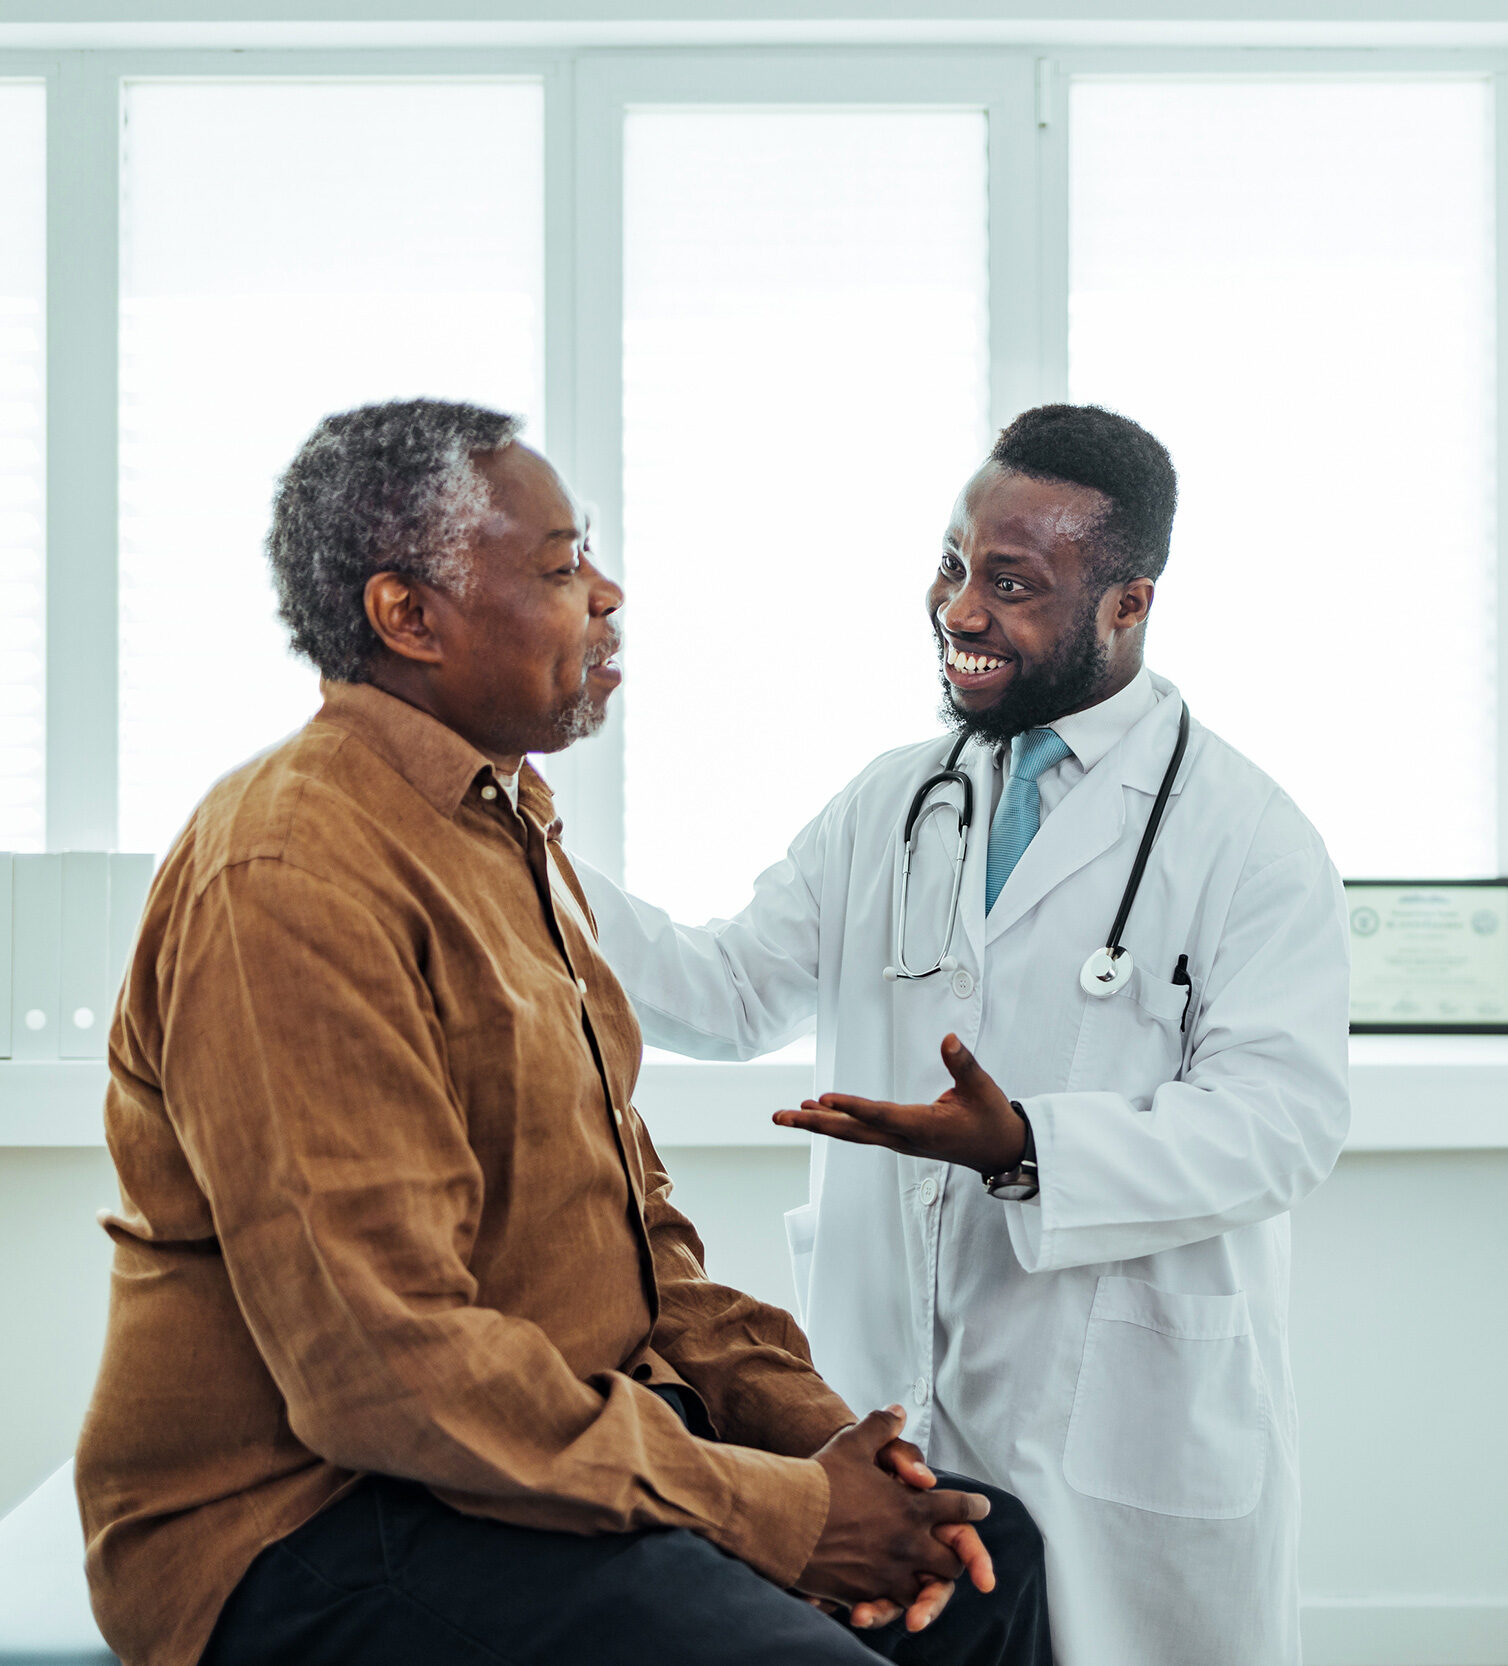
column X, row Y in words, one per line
column 1356, row 891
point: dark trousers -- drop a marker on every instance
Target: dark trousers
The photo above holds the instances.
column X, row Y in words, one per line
column 389, row 1576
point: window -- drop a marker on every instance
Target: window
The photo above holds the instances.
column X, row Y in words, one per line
column 23, row 587
column 1290, row 282
column 805, row 367
column 290, row 248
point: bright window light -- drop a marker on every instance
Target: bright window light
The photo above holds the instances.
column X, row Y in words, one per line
column 290, row 249
column 1290, row 282
column 23, row 281
column 805, row 390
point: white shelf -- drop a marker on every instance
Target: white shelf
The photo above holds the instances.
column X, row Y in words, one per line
column 52, row 1102
column 1428, row 1093
column 1408, row 1093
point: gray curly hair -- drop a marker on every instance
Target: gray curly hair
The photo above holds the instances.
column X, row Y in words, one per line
column 383, row 488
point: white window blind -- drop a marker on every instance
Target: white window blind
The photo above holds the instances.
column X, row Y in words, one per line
column 1290, row 282
column 23, row 589
column 805, row 391
column 290, row 249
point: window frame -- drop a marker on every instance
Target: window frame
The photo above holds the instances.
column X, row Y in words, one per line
column 587, row 90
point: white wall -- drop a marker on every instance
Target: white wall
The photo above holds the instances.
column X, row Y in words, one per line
column 1400, row 1354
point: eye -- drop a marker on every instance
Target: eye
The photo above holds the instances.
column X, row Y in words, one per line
column 1009, row 586
column 950, row 564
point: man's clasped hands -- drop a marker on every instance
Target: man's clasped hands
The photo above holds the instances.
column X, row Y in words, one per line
column 894, row 1542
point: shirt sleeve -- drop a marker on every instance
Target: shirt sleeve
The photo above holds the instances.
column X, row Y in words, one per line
column 730, row 989
column 1254, row 1122
column 303, row 1068
column 748, row 1361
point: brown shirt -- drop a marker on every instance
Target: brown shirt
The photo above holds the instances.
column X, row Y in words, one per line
column 386, row 1205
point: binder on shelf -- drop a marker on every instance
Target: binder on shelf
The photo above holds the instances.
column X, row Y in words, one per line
column 67, row 923
column 84, row 996
column 36, row 956
column 5, row 953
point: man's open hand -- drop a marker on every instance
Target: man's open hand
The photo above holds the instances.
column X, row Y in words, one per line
column 972, row 1124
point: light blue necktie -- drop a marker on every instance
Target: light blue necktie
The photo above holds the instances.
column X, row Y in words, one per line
column 1020, row 812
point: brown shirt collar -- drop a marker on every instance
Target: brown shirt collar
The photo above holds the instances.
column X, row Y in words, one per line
column 436, row 762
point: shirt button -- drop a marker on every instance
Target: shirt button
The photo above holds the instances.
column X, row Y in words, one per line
column 489, row 792
column 963, row 984
column 929, row 1191
column 919, row 1391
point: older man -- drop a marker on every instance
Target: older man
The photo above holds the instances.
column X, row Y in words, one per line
column 409, row 1357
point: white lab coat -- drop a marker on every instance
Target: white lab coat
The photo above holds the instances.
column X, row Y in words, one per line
column 1115, row 1353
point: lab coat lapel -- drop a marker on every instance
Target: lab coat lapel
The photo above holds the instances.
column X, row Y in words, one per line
column 979, row 760
column 1090, row 819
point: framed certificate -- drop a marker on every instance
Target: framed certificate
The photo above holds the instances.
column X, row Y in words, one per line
column 1428, row 957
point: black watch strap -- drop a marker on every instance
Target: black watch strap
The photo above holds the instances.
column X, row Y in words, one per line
column 1019, row 1184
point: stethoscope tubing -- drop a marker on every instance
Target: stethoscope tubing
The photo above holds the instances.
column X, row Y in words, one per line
column 950, row 774
column 1149, row 837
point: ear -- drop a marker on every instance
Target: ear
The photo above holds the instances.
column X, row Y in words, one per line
column 402, row 612
column 1132, row 604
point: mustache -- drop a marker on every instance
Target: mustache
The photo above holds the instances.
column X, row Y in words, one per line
column 611, row 644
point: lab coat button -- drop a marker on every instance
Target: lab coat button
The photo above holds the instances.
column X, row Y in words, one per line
column 919, row 1391
column 929, row 1191
column 581, row 986
column 963, row 984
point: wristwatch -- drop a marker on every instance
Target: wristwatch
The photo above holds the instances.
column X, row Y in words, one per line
column 1019, row 1184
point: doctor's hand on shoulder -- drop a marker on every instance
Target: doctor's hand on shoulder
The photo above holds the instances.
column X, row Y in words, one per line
column 973, row 1124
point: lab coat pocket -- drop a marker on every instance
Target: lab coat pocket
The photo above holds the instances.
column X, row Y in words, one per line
column 1170, row 1413
column 1130, row 1042
column 801, row 1234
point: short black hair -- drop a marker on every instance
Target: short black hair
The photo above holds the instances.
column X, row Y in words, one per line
column 388, row 487
column 1087, row 445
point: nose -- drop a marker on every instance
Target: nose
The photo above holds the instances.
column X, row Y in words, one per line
column 961, row 614
column 606, row 595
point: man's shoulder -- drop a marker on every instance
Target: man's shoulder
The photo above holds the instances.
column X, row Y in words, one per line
column 1249, row 798
column 900, row 768
column 304, row 802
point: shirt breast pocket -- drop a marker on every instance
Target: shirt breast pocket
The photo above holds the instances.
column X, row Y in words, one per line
column 1132, row 1041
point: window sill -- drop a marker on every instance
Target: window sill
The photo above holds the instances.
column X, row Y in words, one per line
column 1408, row 1093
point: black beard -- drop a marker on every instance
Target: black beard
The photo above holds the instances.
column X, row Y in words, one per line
column 1036, row 698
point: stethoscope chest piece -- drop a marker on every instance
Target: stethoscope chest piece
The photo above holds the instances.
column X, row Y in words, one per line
column 1105, row 971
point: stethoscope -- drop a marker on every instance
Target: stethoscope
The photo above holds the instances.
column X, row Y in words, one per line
column 1107, row 969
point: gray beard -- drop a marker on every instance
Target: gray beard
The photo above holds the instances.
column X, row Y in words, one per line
column 580, row 720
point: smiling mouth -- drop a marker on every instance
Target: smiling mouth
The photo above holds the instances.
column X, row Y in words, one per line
column 969, row 670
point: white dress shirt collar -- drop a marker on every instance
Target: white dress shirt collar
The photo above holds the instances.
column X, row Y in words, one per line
column 1092, row 732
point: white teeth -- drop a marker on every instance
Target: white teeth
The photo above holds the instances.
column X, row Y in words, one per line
column 971, row 663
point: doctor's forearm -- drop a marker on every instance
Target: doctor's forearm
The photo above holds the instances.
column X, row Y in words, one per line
column 1119, row 1182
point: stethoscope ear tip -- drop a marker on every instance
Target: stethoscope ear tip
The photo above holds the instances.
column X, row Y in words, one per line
column 891, row 974
column 948, row 963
